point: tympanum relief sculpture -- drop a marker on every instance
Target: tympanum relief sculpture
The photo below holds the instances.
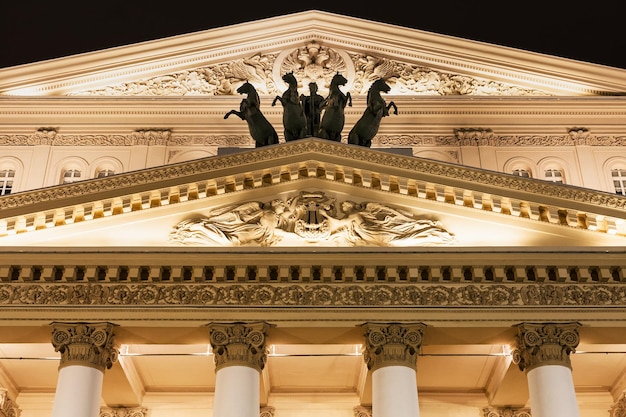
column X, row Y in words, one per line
column 311, row 218
column 312, row 62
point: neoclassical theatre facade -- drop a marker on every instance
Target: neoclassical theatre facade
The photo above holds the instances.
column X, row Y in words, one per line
column 445, row 236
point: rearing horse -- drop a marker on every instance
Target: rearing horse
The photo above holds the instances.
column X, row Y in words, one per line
column 334, row 118
column 294, row 120
column 367, row 126
column 260, row 128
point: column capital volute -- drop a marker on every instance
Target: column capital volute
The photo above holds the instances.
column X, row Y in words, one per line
column 540, row 344
column 86, row 344
column 505, row 412
column 239, row 343
column 8, row 407
column 388, row 344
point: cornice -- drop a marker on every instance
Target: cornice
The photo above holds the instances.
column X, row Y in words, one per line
column 418, row 115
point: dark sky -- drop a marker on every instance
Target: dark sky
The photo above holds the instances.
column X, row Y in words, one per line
column 36, row 30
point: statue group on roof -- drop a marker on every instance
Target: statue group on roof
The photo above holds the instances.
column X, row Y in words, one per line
column 314, row 115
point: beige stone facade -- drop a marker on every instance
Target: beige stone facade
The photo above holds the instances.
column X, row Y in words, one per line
column 490, row 208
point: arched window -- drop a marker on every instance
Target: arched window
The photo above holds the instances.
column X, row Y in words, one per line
column 104, row 173
column 619, row 180
column 554, row 175
column 70, row 176
column 6, row 181
column 105, row 167
column 521, row 173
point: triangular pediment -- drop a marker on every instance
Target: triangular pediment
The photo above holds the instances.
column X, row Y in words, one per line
column 401, row 201
column 315, row 44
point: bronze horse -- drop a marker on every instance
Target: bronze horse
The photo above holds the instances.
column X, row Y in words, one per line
column 333, row 105
column 260, row 128
column 367, row 126
column 294, row 120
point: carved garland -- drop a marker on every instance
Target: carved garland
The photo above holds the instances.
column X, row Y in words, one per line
column 338, row 295
column 161, row 138
column 312, row 62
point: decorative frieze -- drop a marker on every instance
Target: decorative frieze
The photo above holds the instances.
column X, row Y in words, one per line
column 540, row 344
column 240, row 344
column 461, row 137
column 86, row 344
column 339, row 294
column 392, row 344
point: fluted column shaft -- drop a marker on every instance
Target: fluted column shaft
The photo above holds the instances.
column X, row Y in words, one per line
column 240, row 355
column 391, row 351
column 542, row 351
column 87, row 349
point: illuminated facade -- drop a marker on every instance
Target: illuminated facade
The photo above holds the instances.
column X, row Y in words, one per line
column 155, row 262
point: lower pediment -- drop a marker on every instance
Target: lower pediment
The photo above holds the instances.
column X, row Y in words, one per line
column 312, row 193
column 311, row 214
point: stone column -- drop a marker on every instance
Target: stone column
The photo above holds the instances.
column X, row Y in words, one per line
column 87, row 349
column 542, row 351
column 391, row 351
column 240, row 355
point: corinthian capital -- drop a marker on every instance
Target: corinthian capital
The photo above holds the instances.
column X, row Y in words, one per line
column 8, row 408
column 240, row 344
column 388, row 344
column 539, row 344
column 87, row 344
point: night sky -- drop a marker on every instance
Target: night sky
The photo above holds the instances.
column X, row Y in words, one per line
column 32, row 31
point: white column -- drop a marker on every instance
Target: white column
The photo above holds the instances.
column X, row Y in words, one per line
column 391, row 351
column 543, row 353
column 545, row 383
column 78, row 392
column 86, row 351
column 240, row 354
column 394, row 392
column 237, row 392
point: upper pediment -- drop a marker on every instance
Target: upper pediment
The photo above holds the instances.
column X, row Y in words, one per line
column 313, row 193
column 314, row 45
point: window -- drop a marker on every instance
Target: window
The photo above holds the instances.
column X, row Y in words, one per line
column 70, row 176
column 619, row 181
column 554, row 175
column 105, row 173
column 6, row 181
column 521, row 173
